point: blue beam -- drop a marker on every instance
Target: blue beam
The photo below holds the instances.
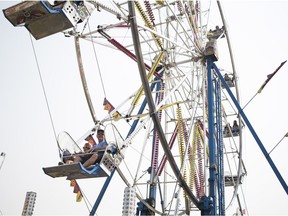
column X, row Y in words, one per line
column 140, row 111
column 101, row 194
column 212, row 149
column 257, row 139
column 220, row 152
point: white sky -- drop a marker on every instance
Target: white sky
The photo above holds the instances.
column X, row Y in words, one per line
column 259, row 37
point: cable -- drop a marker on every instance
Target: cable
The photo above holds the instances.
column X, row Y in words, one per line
column 97, row 62
column 3, row 155
column 44, row 92
column 86, row 200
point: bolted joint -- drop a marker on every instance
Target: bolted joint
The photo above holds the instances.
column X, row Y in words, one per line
column 205, row 205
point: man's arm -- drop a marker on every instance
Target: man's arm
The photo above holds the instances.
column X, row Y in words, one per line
column 99, row 148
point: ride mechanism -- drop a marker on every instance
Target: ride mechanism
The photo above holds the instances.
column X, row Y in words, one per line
column 186, row 96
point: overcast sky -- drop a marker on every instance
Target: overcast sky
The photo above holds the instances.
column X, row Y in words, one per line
column 259, row 38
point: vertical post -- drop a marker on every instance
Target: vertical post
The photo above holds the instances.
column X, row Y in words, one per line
column 211, row 143
column 220, row 153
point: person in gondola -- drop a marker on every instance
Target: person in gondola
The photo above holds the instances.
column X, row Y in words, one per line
column 85, row 155
column 96, row 153
column 68, row 158
column 227, row 129
column 229, row 80
column 226, row 77
column 87, row 147
column 235, row 128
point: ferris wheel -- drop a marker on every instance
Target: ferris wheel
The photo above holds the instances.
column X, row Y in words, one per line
column 176, row 139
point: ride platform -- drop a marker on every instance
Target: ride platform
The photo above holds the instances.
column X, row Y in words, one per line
column 231, row 180
column 76, row 171
column 41, row 18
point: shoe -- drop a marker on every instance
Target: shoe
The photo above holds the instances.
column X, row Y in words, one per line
column 60, row 163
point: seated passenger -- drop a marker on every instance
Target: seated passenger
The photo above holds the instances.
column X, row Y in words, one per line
column 87, row 147
column 229, row 81
column 67, row 157
column 227, row 129
column 235, row 128
column 93, row 158
column 226, row 77
column 84, row 156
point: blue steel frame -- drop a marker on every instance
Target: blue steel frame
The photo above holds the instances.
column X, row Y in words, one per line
column 220, row 147
column 209, row 206
column 101, row 194
column 219, row 139
column 212, row 147
column 257, row 139
column 211, row 143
